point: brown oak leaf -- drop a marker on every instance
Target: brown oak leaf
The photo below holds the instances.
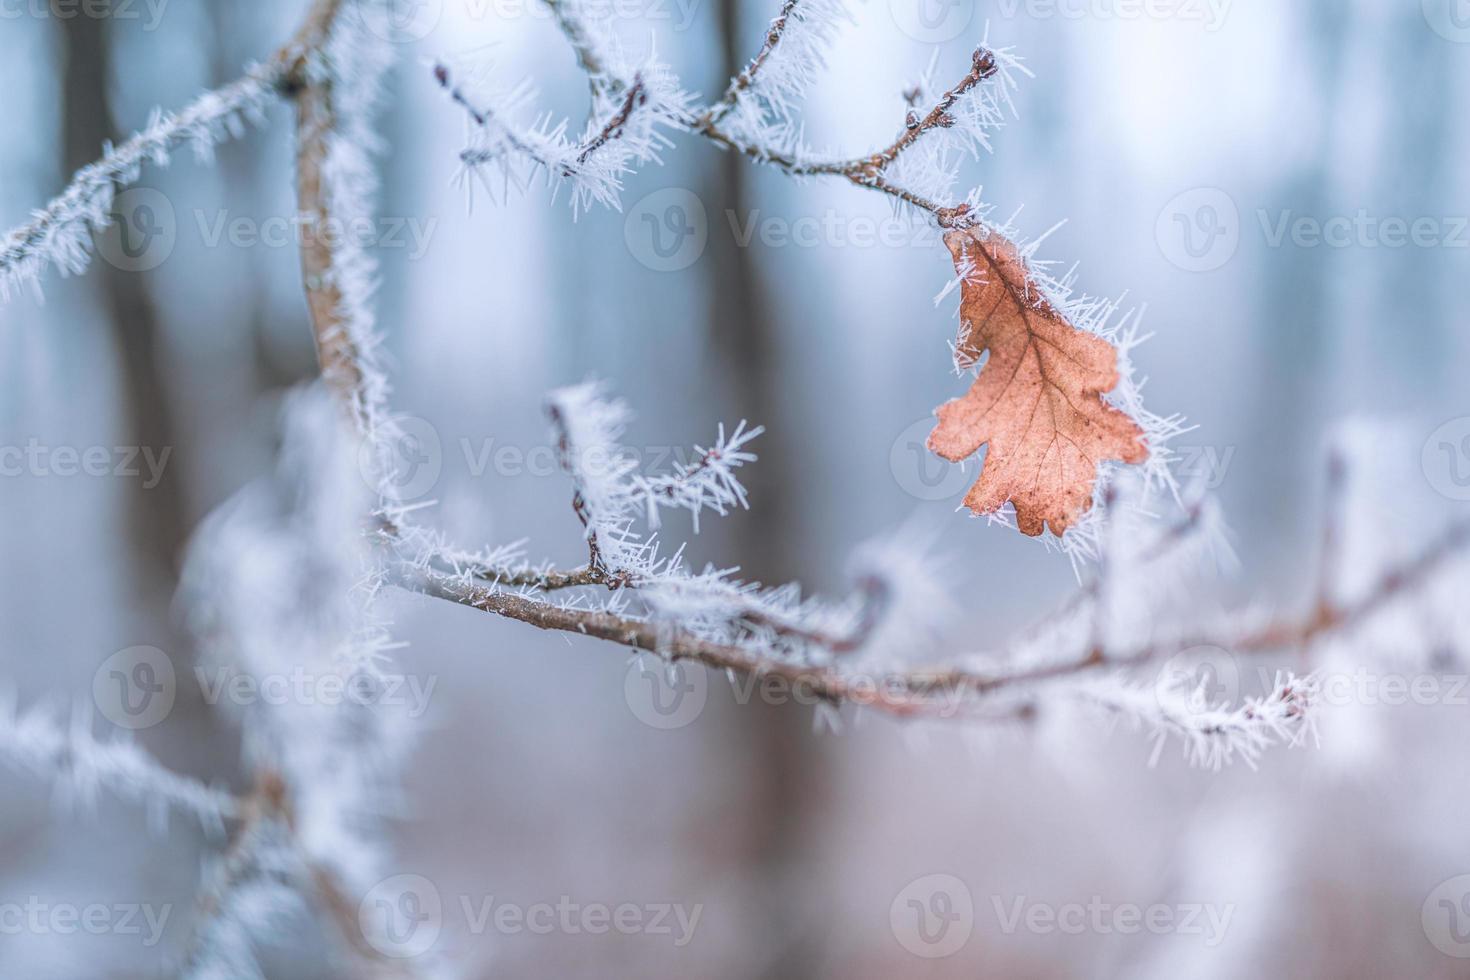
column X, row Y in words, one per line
column 1037, row 401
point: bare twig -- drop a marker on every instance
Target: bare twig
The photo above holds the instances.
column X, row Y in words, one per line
column 982, row 66
column 922, row 692
column 889, row 693
column 905, row 692
column 1279, row 635
column 746, row 78
column 865, row 171
column 482, row 117
column 635, row 96
column 268, row 817
column 340, row 361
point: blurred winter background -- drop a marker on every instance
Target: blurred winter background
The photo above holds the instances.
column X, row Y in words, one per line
column 1181, row 141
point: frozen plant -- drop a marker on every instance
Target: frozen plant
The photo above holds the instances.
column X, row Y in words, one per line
column 288, row 573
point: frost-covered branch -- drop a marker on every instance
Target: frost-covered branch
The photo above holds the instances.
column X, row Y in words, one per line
column 263, row 881
column 962, row 117
column 1270, row 636
column 648, row 636
column 40, row 743
column 723, row 624
column 61, row 234
column 252, row 890
column 917, row 692
column 283, row 581
column 288, row 574
column 786, row 64
column 610, row 492
column 756, row 116
column 615, row 503
column 1213, row 735
column 280, row 580
column 624, row 130
column 336, row 90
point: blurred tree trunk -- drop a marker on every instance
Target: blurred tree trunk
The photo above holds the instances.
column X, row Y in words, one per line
column 155, row 516
column 157, row 523
column 1295, row 303
column 256, row 312
column 767, row 547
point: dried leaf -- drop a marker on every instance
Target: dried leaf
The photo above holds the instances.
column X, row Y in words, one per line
column 1037, row 401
